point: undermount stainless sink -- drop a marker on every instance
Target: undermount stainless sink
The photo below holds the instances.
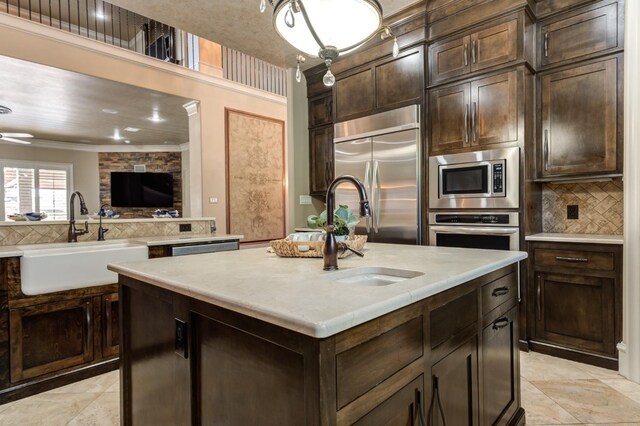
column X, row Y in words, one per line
column 373, row 276
column 47, row 270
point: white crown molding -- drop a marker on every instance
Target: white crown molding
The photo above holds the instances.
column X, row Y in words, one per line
column 25, row 26
column 192, row 108
column 71, row 146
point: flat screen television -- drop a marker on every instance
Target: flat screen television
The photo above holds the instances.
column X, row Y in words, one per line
column 129, row 189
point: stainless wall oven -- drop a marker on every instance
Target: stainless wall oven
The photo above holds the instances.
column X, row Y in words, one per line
column 475, row 180
column 480, row 230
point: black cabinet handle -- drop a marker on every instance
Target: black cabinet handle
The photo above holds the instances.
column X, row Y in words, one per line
column 418, row 417
column 500, row 323
column 89, row 334
column 572, row 259
column 435, row 403
column 539, row 298
column 500, row 291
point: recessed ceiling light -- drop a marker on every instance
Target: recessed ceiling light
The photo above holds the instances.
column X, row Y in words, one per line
column 131, row 129
column 116, row 135
column 127, row 141
column 109, row 111
column 155, row 117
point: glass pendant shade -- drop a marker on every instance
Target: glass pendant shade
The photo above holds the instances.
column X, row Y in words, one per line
column 338, row 23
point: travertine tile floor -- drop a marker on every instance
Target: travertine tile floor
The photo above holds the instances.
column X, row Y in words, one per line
column 554, row 392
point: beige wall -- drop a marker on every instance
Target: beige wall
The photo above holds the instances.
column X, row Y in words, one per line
column 33, row 42
column 85, row 167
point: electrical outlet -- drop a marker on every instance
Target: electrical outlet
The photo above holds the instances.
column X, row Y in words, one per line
column 305, row 200
column 185, row 227
column 213, row 200
column 572, row 211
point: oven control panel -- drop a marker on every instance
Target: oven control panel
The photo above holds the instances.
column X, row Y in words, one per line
column 462, row 219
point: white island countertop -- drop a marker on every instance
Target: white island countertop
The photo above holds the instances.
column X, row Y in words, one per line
column 295, row 293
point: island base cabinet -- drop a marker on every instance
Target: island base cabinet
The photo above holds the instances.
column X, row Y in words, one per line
column 185, row 361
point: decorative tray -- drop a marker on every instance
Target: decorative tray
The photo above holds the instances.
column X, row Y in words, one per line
column 288, row 248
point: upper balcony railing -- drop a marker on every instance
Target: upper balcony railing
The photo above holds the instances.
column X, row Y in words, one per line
column 107, row 23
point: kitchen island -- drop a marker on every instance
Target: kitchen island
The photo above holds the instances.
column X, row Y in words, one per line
column 407, row 335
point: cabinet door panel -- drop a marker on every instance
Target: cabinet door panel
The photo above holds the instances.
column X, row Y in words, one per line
column 576, row 311
column 449, row 59
column 51, row 337
column 579, row 120
column 494, row 46
column 320, row 111
column 354, row 95
column 111, row 325
column 400, row 409
column 449, row 118
column 400, row 80
column 494, row 109
column 500, row 368
column 455, row 387
column 321, row 159
column 586, row 33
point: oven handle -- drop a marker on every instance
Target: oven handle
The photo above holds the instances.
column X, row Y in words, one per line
column 467, row 230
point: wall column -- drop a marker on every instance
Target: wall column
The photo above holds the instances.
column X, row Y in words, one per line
column 195, row 160
column 630, row 346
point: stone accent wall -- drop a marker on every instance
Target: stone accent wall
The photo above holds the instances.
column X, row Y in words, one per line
column 166, row 162
column 600, row 206
column 43, row 232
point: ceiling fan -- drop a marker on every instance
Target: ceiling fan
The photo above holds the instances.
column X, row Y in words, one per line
column 11, row 137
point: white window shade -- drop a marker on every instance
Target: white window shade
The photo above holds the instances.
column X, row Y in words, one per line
column 35, row 187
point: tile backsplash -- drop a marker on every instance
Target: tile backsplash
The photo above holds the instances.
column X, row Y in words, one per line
column 43, row 232
column 600, row 206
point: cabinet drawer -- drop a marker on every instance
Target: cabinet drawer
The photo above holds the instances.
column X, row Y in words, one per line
column 575, row 259
column 589, row 32
column 363, row 367
column 451, row 318
column 499, row 291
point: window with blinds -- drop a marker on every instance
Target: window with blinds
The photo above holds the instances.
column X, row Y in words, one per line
column 35, row 187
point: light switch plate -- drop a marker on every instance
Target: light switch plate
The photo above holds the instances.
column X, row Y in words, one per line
column 213, row 200
column 305, row 200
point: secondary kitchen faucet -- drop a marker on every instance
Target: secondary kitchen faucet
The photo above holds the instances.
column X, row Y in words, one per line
column 331, row 246
column 101, row 230
column 72, row 235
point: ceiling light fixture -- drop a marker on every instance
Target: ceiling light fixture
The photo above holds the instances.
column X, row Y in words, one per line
column 155, row 117
column 116, row 135
column 131, row 129
column 127, row 141
column 357, row 21
column 109, row 111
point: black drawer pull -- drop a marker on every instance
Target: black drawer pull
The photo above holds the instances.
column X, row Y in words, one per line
column 500, row 323
column 500, row 291
column 572, row 259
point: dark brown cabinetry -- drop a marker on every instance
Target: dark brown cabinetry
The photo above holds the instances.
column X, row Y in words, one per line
column 50, row 337
column 111, row 325
column 184, row 360
column 480, row 114
column 593, row 30
column 576, row 289
column 581, row 121
column 320, row 159
column 495, row 45
column 384, row 85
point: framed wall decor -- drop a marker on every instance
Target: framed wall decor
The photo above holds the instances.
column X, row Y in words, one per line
column 255, row 163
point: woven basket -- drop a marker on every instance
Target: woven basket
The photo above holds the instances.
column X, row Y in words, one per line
column 288, row 248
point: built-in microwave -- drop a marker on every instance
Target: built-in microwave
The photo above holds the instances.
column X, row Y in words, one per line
column 472, row 180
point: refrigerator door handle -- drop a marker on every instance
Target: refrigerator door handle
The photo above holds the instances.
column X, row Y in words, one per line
column 376, row 197
column 367, row 186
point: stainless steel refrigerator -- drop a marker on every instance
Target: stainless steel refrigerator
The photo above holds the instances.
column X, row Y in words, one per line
column 382, row 151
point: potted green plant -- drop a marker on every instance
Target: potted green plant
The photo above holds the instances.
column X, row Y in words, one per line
column 344, row 221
